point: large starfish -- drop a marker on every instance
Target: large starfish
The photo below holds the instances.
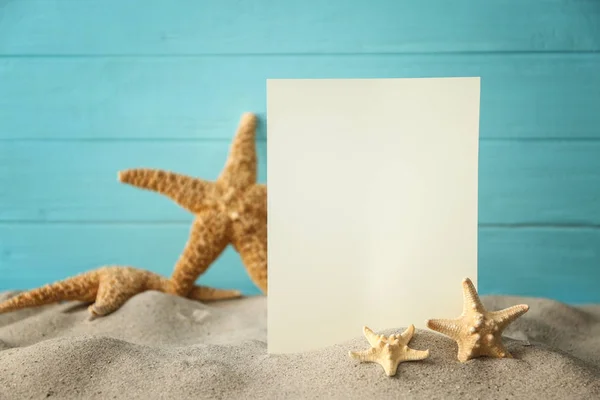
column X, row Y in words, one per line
column 109, row 288
column 478, row 332
column 233, row 209
column 389, row 351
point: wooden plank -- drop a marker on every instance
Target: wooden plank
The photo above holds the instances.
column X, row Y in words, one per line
column 523, row 96
column 309, row 26
column 546, row 183
column 525, row 182
column 561, row 264
column 556, row 263
column 34, row 254
column 77, row 181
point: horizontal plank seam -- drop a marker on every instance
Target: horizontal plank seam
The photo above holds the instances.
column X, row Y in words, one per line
column 128, row 139
column 536, row 225
column 555, row 139
column 540, row 225
column 311, row 54
column 262, row 139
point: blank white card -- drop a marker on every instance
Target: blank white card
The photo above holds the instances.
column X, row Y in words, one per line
column 372, row 205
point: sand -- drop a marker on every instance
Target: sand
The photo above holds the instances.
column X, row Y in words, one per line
column 164, row 347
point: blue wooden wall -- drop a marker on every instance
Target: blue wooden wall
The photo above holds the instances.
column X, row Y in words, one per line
column 88, row 87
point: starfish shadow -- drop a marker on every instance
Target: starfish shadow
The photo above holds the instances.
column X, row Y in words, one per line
column 4, row 345
column 73, row 307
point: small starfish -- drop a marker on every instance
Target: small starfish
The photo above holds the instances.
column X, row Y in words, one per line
column 233, row 209
column 389, row 351
column 110, row 287
column 478, row 332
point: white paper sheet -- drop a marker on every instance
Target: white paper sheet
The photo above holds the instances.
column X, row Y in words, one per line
column 372, row 205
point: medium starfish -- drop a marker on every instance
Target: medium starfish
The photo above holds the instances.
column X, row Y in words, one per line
column 389, row 351
column 478, row 332
column 110, row 287
column 233, row 209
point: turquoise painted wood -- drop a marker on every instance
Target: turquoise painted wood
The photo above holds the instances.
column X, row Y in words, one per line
column 548, row 262
column 34, row 254
column 558, row 263
column 89, row 87
column 523, row 96
column 527, row 182
column 157, row 27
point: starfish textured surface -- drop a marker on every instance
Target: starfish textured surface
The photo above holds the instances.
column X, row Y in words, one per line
column 389, row 351
column 478, row 332
column 109, row 288
column 230, row 210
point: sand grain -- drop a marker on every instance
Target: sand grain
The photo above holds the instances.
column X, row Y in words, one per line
column 164, row 347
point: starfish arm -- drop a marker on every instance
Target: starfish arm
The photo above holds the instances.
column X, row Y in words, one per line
column 81, row 287
column 111, row 296
column 209, row 236
column 390, row 366
column 497, row 350
column 159, row 283
column 193, row 194
column 255, row 200
column 250, row 241
column 364, row 356
column 240, row 169
column 448, row 327
column 253, row 252
column 153, row 281
column 407, row 335
column 471, row 301
column 372, row 338
column 415, row 355
column 116, row 286
column 205, row 293
column 465, row 351
column 504, row 317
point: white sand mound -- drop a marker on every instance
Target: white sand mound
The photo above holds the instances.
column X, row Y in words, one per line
column 164, row 347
